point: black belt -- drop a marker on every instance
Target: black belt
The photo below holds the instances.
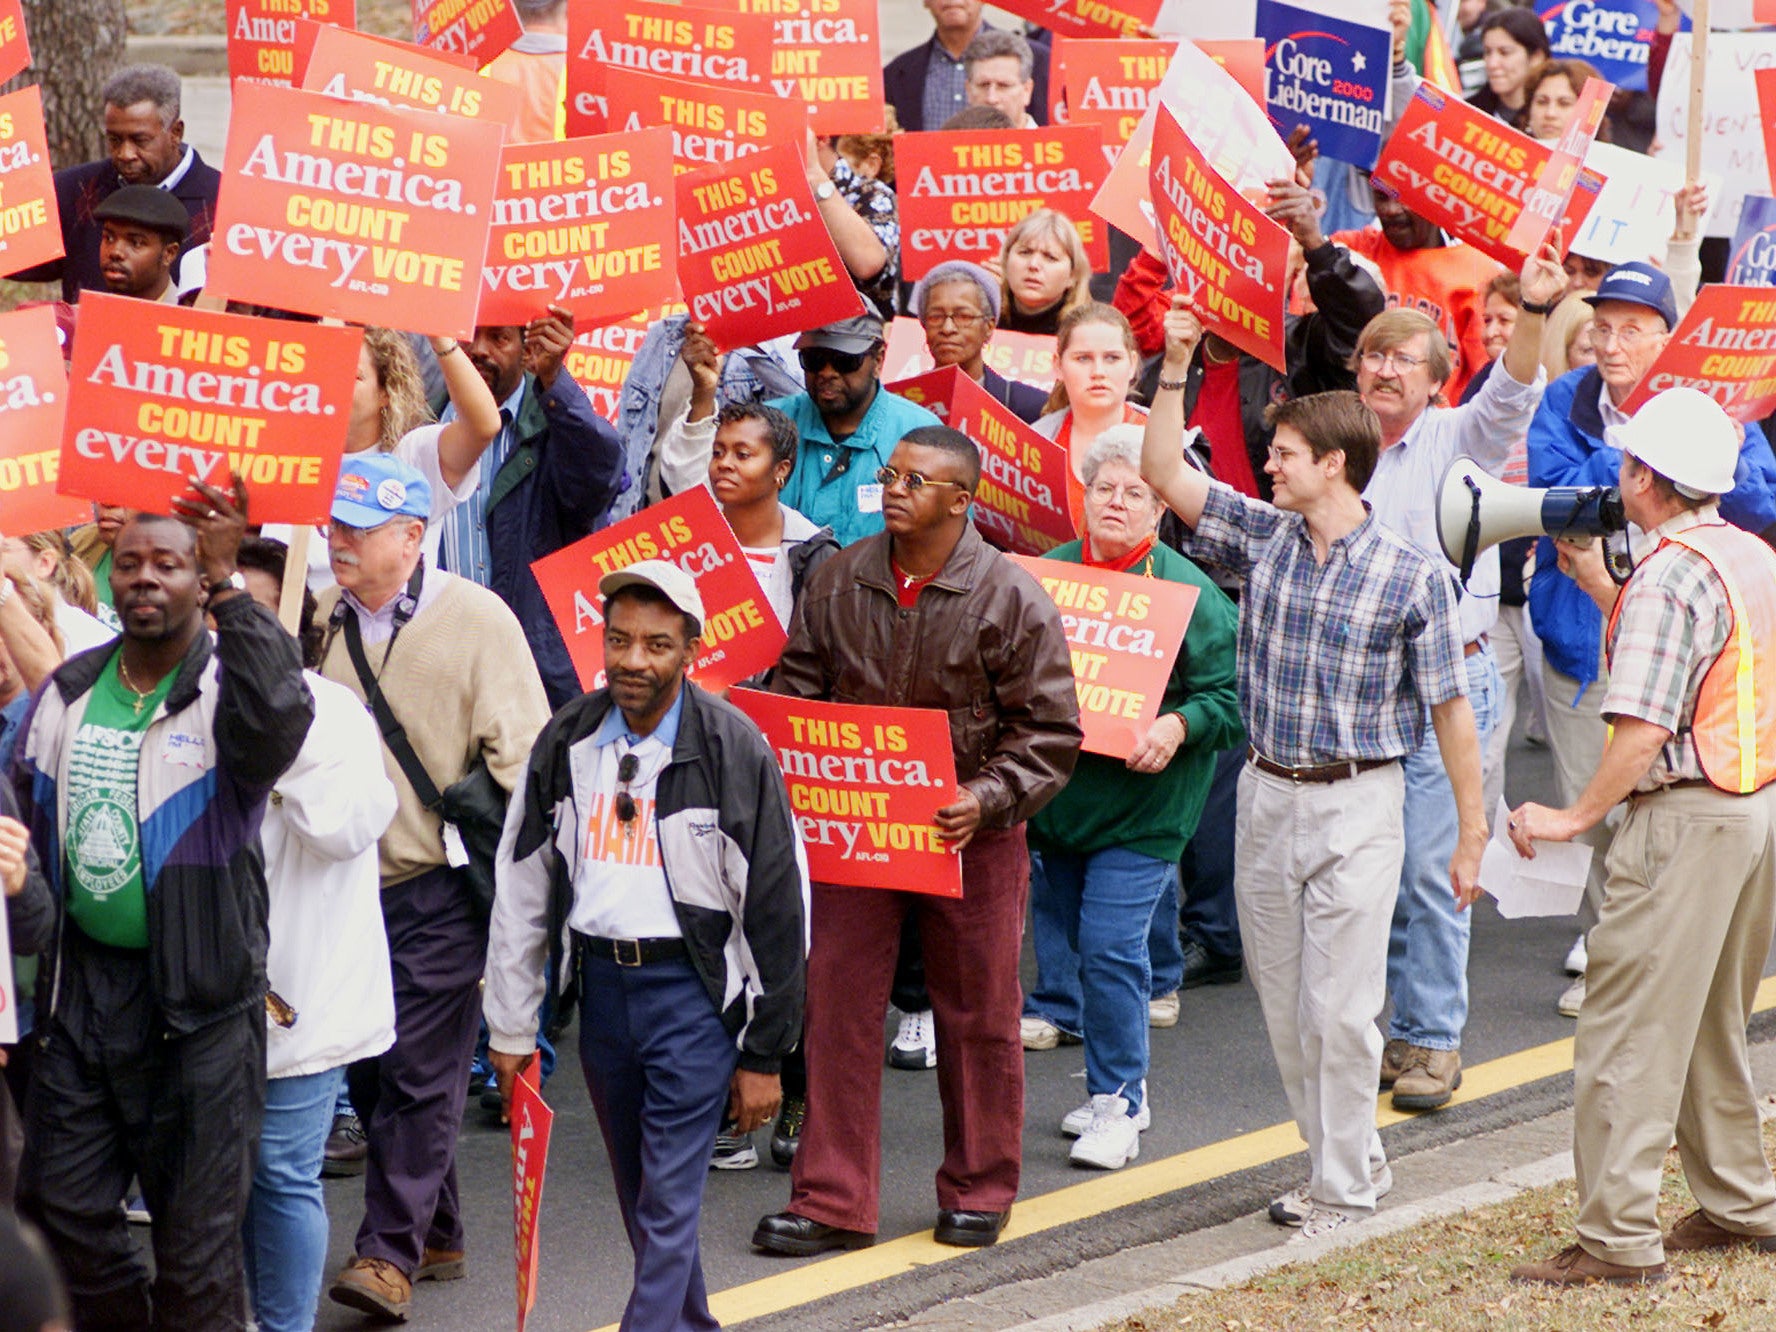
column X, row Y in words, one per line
column 1322, row 772
column 632, row 952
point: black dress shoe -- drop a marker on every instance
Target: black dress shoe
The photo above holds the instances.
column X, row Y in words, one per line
column 970, row 1230
column 1203, row 967
column 802, row 1236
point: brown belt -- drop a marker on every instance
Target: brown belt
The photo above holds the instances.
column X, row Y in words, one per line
column 1323, row 772
column 1681, row 784
column 1475, row 648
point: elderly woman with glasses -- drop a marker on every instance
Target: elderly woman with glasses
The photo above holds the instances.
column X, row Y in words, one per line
column 958, row 303
column 1105, row 851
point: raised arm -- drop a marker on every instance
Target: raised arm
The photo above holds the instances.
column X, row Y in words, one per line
column 477, row 422
column 1182, row 487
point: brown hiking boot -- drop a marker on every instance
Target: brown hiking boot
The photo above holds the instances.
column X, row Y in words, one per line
column 1697, row 1231
column 441, row 1265
column 1393, row 1059
column 1428, row 1078
column 374, row 1286
column 1572, row 1266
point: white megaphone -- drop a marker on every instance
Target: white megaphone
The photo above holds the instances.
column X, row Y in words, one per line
column 1475, row 510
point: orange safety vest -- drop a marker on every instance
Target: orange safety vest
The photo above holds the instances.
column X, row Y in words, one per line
column 1734, row 728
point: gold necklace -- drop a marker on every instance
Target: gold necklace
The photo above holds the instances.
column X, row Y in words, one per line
column 129, row 684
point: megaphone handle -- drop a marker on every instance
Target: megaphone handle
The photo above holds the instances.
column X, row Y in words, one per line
column 1471, row 542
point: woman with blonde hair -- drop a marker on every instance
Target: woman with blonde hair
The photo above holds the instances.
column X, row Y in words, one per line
column 1043, row 273
column 1096, row 361
column 46, row 558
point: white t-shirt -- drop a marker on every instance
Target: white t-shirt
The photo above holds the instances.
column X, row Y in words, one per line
column 620, row 887
column 80, row 631
column 418, row 449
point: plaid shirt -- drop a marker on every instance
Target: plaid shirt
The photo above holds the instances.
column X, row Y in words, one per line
column 1674, row 623
column 1337, row 661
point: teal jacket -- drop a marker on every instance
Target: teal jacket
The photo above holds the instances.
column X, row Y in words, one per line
column 849, row 464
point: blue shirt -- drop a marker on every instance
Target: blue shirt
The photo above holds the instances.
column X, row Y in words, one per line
column 615, row 726
column 834, row 502
column 464, row 546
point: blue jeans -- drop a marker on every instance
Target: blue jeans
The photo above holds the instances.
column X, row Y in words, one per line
column 1101, row 907
column 1428, row 945
column 1057, row 998
column 286, row 1225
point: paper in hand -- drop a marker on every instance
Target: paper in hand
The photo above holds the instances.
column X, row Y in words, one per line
column 1552, row 884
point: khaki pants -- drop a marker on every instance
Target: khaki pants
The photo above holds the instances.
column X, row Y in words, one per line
column 1316, row 871
column 1577, row 734
column 1676, row 956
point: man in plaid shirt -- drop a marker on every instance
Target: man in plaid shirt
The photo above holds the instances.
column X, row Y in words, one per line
column 1347, row 635
column 1690, row 899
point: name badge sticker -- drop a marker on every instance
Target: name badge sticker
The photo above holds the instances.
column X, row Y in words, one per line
column 869, row 498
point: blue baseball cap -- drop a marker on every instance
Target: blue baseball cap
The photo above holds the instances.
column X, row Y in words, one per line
column 376, row 487
column 1638, row 284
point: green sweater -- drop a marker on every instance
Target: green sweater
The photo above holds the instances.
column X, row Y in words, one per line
column 1105, row 805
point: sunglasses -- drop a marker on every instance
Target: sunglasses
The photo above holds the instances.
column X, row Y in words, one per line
column 627, row 767
column 816, row 359
column 914, row 481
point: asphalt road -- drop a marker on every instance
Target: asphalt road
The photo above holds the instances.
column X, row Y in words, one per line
column 1212, row 1078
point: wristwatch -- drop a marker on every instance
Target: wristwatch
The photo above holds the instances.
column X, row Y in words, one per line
column 234, row 580
column 824, row 191
column 1539, row 307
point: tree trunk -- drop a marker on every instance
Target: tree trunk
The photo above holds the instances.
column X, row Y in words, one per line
column 75, row 46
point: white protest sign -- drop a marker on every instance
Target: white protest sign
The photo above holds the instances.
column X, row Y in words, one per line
column 1634, row 216
column 1723, row 16
column 9, row 1029
column 1224, row 21
column 1733, row 136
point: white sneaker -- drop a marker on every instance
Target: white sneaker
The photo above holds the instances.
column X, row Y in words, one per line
column 915, row 1044
column 1294, row 1206
column 1163, row 1011
column 1577, row 957
column 1039, row 1033
column 1321, row 1221
column 1112, row 1140
column 1572, row 999
column 1078, row 1121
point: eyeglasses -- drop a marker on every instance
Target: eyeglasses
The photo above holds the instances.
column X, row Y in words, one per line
column 627, row 767
column 936, row 319
column 915, row 481
column 1629, row 338
column 1404, row 363
column 1132, row 493
column 816, row 359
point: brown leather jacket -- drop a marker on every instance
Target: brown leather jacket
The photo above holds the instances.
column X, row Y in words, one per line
column 984, row 643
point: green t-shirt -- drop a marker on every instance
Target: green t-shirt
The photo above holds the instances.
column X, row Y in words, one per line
column 107, row 608
column 106, row 894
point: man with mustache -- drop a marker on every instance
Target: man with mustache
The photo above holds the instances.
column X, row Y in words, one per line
column 547, row 480
column 142, row 231
column 448, row 662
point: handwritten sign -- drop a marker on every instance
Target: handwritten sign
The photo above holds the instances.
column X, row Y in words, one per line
column 1614, row 36
column 1124, row 632
column 1752, row 260
column 864, row 785
column 599, row 359
column 33, row 400
column 1725, row 345
column 1329, row 74
column 1028, row 358
column 1733, row 135
column 754, row 259
column 371, row 214
column 656, row 37
column 741, row 634
column 1471, row 174
column 1220, row 249
column 1087, row 18
column 479, row 29
column 827, row 56
column 30, row 222
column 532, row 1123
column 270, row 41
column 1633, row 216
column 579, row 224
column 15, row 46
column 962, row 190
column 710, row 126
column 162, row 394
column 384, row 73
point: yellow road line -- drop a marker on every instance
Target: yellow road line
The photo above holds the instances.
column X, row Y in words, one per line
column 1132, row 1184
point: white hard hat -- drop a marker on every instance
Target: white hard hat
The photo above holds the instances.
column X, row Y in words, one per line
column 1684, row 436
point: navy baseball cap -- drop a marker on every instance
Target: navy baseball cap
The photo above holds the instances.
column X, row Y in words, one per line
column 1638, row 284
column 377, row 487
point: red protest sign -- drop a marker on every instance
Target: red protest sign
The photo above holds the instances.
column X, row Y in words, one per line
column 1544, row 205
column 710, row 125
column 1470, row 174
column 33, row 399
column 15, row 47
column 578, row 224
column 1124, row 632
column 479, row 29
column 658, row 37
column 741, row 633
column 828, row 57
column 269, row 41
column 1221, row 250
column 1028, row 358
column 375, row 70
column 162, row 394
column 1725, row 345
column 30, row 222
column 371, row 214
column 1087, row 18
column 532, row 1123
column 864, row 784
column 1108, row 83
column 599, row 359
column 962, row 190
column 754, row 259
